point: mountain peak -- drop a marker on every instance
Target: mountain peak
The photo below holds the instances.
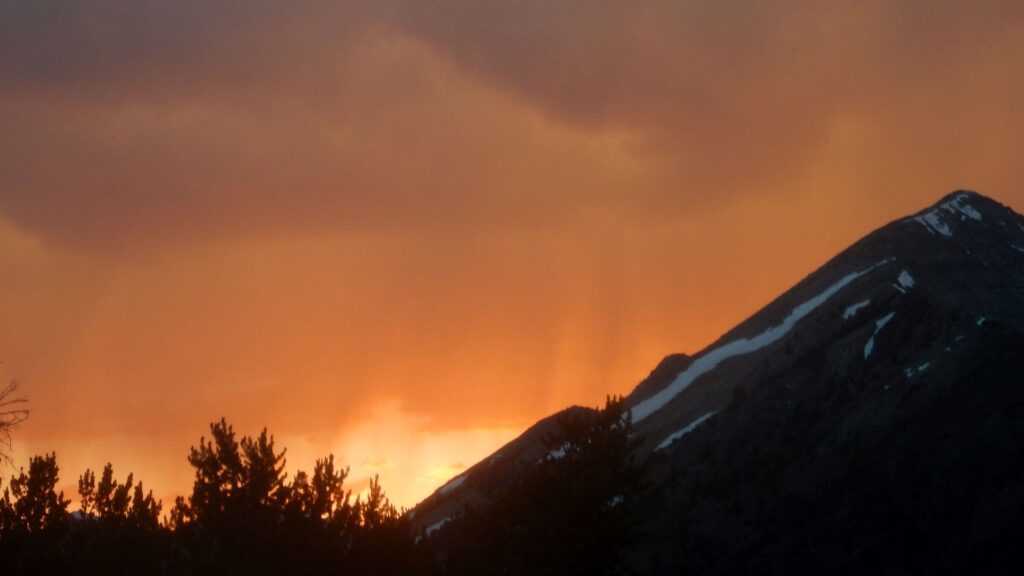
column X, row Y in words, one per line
column 964, row 195
column 917, row 325
column 971, row 194
column 961, row 206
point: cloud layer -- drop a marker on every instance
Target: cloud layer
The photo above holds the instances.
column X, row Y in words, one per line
column 129, row 122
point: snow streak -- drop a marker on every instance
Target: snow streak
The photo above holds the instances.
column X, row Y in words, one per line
column 852, row 310
column 712, row 359
column 680, row 433
column 879, row 324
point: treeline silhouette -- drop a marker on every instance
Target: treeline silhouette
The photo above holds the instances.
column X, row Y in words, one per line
column 569, row 515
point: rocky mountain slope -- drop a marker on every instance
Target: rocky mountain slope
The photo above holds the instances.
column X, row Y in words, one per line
column 870, row 417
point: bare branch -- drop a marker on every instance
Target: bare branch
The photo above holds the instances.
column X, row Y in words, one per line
column 12, row 413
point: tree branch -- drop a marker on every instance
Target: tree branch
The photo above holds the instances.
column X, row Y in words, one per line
column 12, row 413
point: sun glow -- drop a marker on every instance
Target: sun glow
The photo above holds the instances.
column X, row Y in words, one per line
column 411, row 458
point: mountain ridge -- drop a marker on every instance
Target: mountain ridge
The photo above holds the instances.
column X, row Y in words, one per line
column 914, row 302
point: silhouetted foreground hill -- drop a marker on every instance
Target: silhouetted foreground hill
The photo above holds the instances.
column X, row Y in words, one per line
column 871, row 419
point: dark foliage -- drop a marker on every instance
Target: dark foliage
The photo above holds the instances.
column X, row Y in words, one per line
column 572, row 515
column 243, row 517
column 31, row 504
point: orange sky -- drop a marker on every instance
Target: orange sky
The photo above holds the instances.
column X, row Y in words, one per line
column 402, row 233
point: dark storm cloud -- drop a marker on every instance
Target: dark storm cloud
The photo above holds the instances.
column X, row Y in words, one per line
column 730, row 93
column 664, row 63
column 128, row 121
column 112, row 44
column 132, row 122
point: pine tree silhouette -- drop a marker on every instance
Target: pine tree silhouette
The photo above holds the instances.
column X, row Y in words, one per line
column 572, row 515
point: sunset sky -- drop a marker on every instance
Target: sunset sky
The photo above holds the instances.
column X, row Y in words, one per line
column 403, row 231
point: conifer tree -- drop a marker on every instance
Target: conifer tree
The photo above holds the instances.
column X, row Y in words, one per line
column 573, row 514
column 87, row 492
column 115, row 502
column 32, row 503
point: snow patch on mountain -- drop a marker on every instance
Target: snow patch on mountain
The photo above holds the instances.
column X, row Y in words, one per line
column 959, row 205
column 933, row 223
column 680, row 433
column 910, row 372
column 712, row 359
column 879, row 324
column 452, row 484
column 437, row 525
column 906, row 280
column 852, row 310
